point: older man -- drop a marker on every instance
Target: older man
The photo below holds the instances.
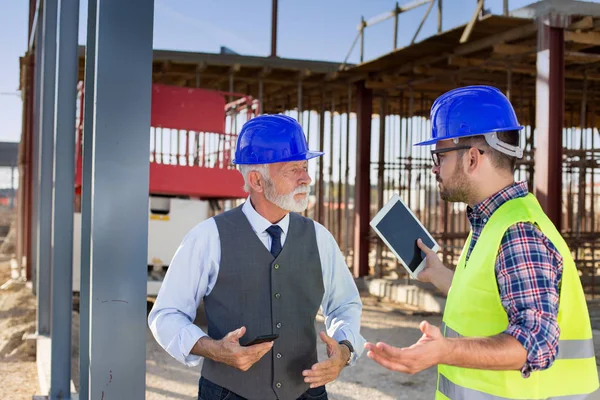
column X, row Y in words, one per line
column 262, row 269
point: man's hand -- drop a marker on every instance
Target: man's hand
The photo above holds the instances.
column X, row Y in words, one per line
column 328, row 370
column 435, row 271
column 427, row 352
column 228, row 350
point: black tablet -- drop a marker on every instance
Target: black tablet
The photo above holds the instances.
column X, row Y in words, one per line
column 399, row 229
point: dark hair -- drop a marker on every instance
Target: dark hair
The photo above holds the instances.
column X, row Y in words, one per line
column 499, row 159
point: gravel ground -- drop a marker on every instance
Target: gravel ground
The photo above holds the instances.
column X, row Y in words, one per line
column 18, row 370
column 167, row 379
column 381, row 321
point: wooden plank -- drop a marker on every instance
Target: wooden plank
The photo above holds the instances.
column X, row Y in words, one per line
column 514, row 49
column 508, row 36
column 592, row 38
column 584, row 23
column 516, row 68
column 469, row 28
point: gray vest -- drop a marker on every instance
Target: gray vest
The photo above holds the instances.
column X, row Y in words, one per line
column 266, row 295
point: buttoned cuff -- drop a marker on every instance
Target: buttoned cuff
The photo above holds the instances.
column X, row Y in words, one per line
column 187, row 339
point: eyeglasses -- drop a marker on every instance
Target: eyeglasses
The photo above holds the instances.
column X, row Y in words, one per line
column 435, row 153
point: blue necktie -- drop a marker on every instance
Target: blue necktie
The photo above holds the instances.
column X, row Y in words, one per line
column 275, row 231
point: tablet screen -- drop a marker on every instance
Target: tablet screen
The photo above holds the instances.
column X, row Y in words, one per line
column 401, row 230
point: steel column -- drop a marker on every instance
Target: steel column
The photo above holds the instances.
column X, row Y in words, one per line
column 320, row 185
column 364, row 109
column 32, row 205
column 380, row 173
column 86, row 203
column 63, row 196
column 550, row 93
column 439, row 24
column 274, row 29
column 119, row 227
column 45, row 167
column 347, row 176
column 300, row 119
column 12, row 188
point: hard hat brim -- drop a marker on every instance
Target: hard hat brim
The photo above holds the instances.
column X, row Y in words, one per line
column 297, row 157
column 462, row 135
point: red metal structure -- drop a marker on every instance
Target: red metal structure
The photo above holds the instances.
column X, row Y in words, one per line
column 192, row 140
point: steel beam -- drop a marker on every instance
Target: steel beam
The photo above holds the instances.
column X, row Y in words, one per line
column 86, row 209
column 45, row 163
column 119, row 227
column 63, row 196
column 550, row 93
column 364, row 109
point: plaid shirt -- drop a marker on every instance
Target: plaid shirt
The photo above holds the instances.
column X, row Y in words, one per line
column 528, row 272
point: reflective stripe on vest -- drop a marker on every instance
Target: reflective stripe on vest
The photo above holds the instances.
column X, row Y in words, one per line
column 456, row 392
column 567, row 349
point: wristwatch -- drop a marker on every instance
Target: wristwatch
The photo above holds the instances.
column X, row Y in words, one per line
column 350, row 347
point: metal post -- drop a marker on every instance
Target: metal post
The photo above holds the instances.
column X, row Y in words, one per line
column 396, row 12
column 362, row 39
column 86, row 203
column 505, row 8
column 380, row 171
column 34, row 194
column 339, row 190
column 439, row 27
column 231, row 82
column 364, row 108
column 320, row 186
column 509, row 82
column 260, row 95
column 274, row 29
column 46, row 145
column 330, row 184
column 12, row 187
column 550, row 93
column 63, row 194
column 120, row 227
column 347, row 175
column 300, row 101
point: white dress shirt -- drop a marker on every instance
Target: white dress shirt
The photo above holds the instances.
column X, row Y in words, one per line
column 194, row 271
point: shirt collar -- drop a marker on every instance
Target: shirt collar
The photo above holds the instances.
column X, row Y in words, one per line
column 487, row 207
column 260, row 223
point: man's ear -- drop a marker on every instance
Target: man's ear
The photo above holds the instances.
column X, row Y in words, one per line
column 256, row 181
column 474, row 158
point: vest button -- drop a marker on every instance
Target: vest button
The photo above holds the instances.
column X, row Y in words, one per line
column 278, row 384
column 278, row 355
column 276, row 266
column 278, row 325
column 277, row 295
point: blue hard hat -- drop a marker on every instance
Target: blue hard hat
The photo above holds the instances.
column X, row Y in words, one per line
column 470, row 111
column 270, row 139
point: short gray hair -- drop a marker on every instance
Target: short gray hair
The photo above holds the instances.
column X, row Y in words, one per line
column 245, row 169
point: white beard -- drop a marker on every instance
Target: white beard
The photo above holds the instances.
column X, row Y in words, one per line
column 287, row 201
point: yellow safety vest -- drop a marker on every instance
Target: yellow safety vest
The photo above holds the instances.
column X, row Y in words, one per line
column 473, row 308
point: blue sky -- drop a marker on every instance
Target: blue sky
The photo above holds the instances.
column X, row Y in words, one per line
column 308, row 29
